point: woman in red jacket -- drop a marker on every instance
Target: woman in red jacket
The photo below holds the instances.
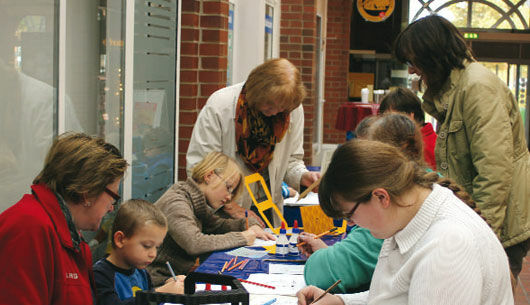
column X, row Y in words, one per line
column 44, row 259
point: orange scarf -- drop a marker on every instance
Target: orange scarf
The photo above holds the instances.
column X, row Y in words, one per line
column 256, row 134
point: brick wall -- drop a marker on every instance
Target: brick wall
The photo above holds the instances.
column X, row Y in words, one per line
column 297, row 43
column 337, row 58
column 203, row 63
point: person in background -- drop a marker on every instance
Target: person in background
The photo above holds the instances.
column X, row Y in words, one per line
column 405, row 101
column 260, row 124
column 138, row 230
column 45, row 259
column 481, row 140
column 436, row 249
column 194, row 229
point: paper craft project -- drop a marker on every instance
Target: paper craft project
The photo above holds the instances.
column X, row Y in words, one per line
column 285, row 284
column 246, row 252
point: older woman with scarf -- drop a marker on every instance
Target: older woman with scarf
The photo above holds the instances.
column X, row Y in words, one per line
column 260, row 124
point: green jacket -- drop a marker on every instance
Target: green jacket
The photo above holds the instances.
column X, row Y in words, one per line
column 352, row 260
column 481, row 144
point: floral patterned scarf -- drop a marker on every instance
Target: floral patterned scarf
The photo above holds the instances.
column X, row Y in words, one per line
column 256, row 134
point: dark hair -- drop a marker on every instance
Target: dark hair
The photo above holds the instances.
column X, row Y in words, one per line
column 403, row 100
column 359, row 166
column 78, row 164
column 361, row 131
column 135, row 213
column 435, row 46
column 400, row 131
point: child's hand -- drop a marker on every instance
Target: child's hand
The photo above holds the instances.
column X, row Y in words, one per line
column 249, row 235
column 173, row 287
column 312, row 244
column 261, row 234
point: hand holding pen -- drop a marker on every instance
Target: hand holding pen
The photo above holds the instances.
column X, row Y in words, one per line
column 309, row 243
column 314, row 295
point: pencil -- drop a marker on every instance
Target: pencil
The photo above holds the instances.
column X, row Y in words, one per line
column 309, row 188
column 236, row 265
column 245, row 262
column 171, row 271
column 325, row 292
column 272, row 301
column 246, row 219
column 317, row 237
column 257, row 284
column 224, row 267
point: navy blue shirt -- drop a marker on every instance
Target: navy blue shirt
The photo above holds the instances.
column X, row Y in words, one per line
column 117, row 286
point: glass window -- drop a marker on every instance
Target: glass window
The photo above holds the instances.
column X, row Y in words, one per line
column 489, row 14
column 269, row 15
column 29, row 93
column 230, row 55
column 154, row 98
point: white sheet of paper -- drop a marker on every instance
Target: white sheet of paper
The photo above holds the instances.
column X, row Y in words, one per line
column 261, row 243
column 285, row 284
column 259, row 299
column 310, row 199
column 286, row 269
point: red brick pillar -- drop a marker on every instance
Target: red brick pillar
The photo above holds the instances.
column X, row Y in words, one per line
column 337, row 60
column 297, row 44
column 203, row 63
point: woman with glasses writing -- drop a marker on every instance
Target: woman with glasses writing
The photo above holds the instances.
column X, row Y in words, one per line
column 45, row 259
column 193, row 228
column 437, row 250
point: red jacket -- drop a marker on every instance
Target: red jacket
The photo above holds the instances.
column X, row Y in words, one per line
column 429, row 141
column 38, row 262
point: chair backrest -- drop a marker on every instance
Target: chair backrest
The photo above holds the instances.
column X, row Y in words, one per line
column 264, row 205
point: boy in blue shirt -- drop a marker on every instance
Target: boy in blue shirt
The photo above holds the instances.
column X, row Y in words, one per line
column 138, row 230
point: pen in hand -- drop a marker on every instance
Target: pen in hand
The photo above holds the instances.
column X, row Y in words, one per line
column 325, row 292
column 171, row 270
column 317, row 237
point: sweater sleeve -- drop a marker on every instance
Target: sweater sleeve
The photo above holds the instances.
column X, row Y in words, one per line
column 296, row 165
column 352, row 260
column 216, row 224
column 105, row 291
column 184, row 229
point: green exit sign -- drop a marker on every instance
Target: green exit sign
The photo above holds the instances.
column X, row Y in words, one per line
column 471, row 35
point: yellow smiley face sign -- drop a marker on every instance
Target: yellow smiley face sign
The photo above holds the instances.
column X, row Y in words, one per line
column 375, row 10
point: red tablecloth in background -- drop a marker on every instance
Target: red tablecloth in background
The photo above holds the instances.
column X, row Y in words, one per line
column 350, row 114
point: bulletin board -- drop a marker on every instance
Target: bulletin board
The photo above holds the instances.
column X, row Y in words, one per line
column 357, row 81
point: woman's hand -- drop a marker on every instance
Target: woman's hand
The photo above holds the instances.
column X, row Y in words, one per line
column 307, row 294
column 312, row 244
column 173, row 287
column 261, row 234
column 308, row 178
column 235, row 211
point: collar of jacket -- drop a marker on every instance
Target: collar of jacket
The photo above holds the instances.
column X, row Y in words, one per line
column 437, row 106
column 50, row 204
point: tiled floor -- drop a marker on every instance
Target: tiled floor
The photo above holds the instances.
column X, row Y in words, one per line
column 522, row 294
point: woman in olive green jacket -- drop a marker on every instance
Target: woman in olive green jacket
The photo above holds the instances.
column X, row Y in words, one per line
column 481, row 141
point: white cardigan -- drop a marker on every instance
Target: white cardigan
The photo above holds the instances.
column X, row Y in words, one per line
column 445, row 255
column 215, row 131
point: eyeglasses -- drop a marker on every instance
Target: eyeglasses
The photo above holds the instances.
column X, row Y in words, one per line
column 348, row 216
column 115, row 196
column 229, row 188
